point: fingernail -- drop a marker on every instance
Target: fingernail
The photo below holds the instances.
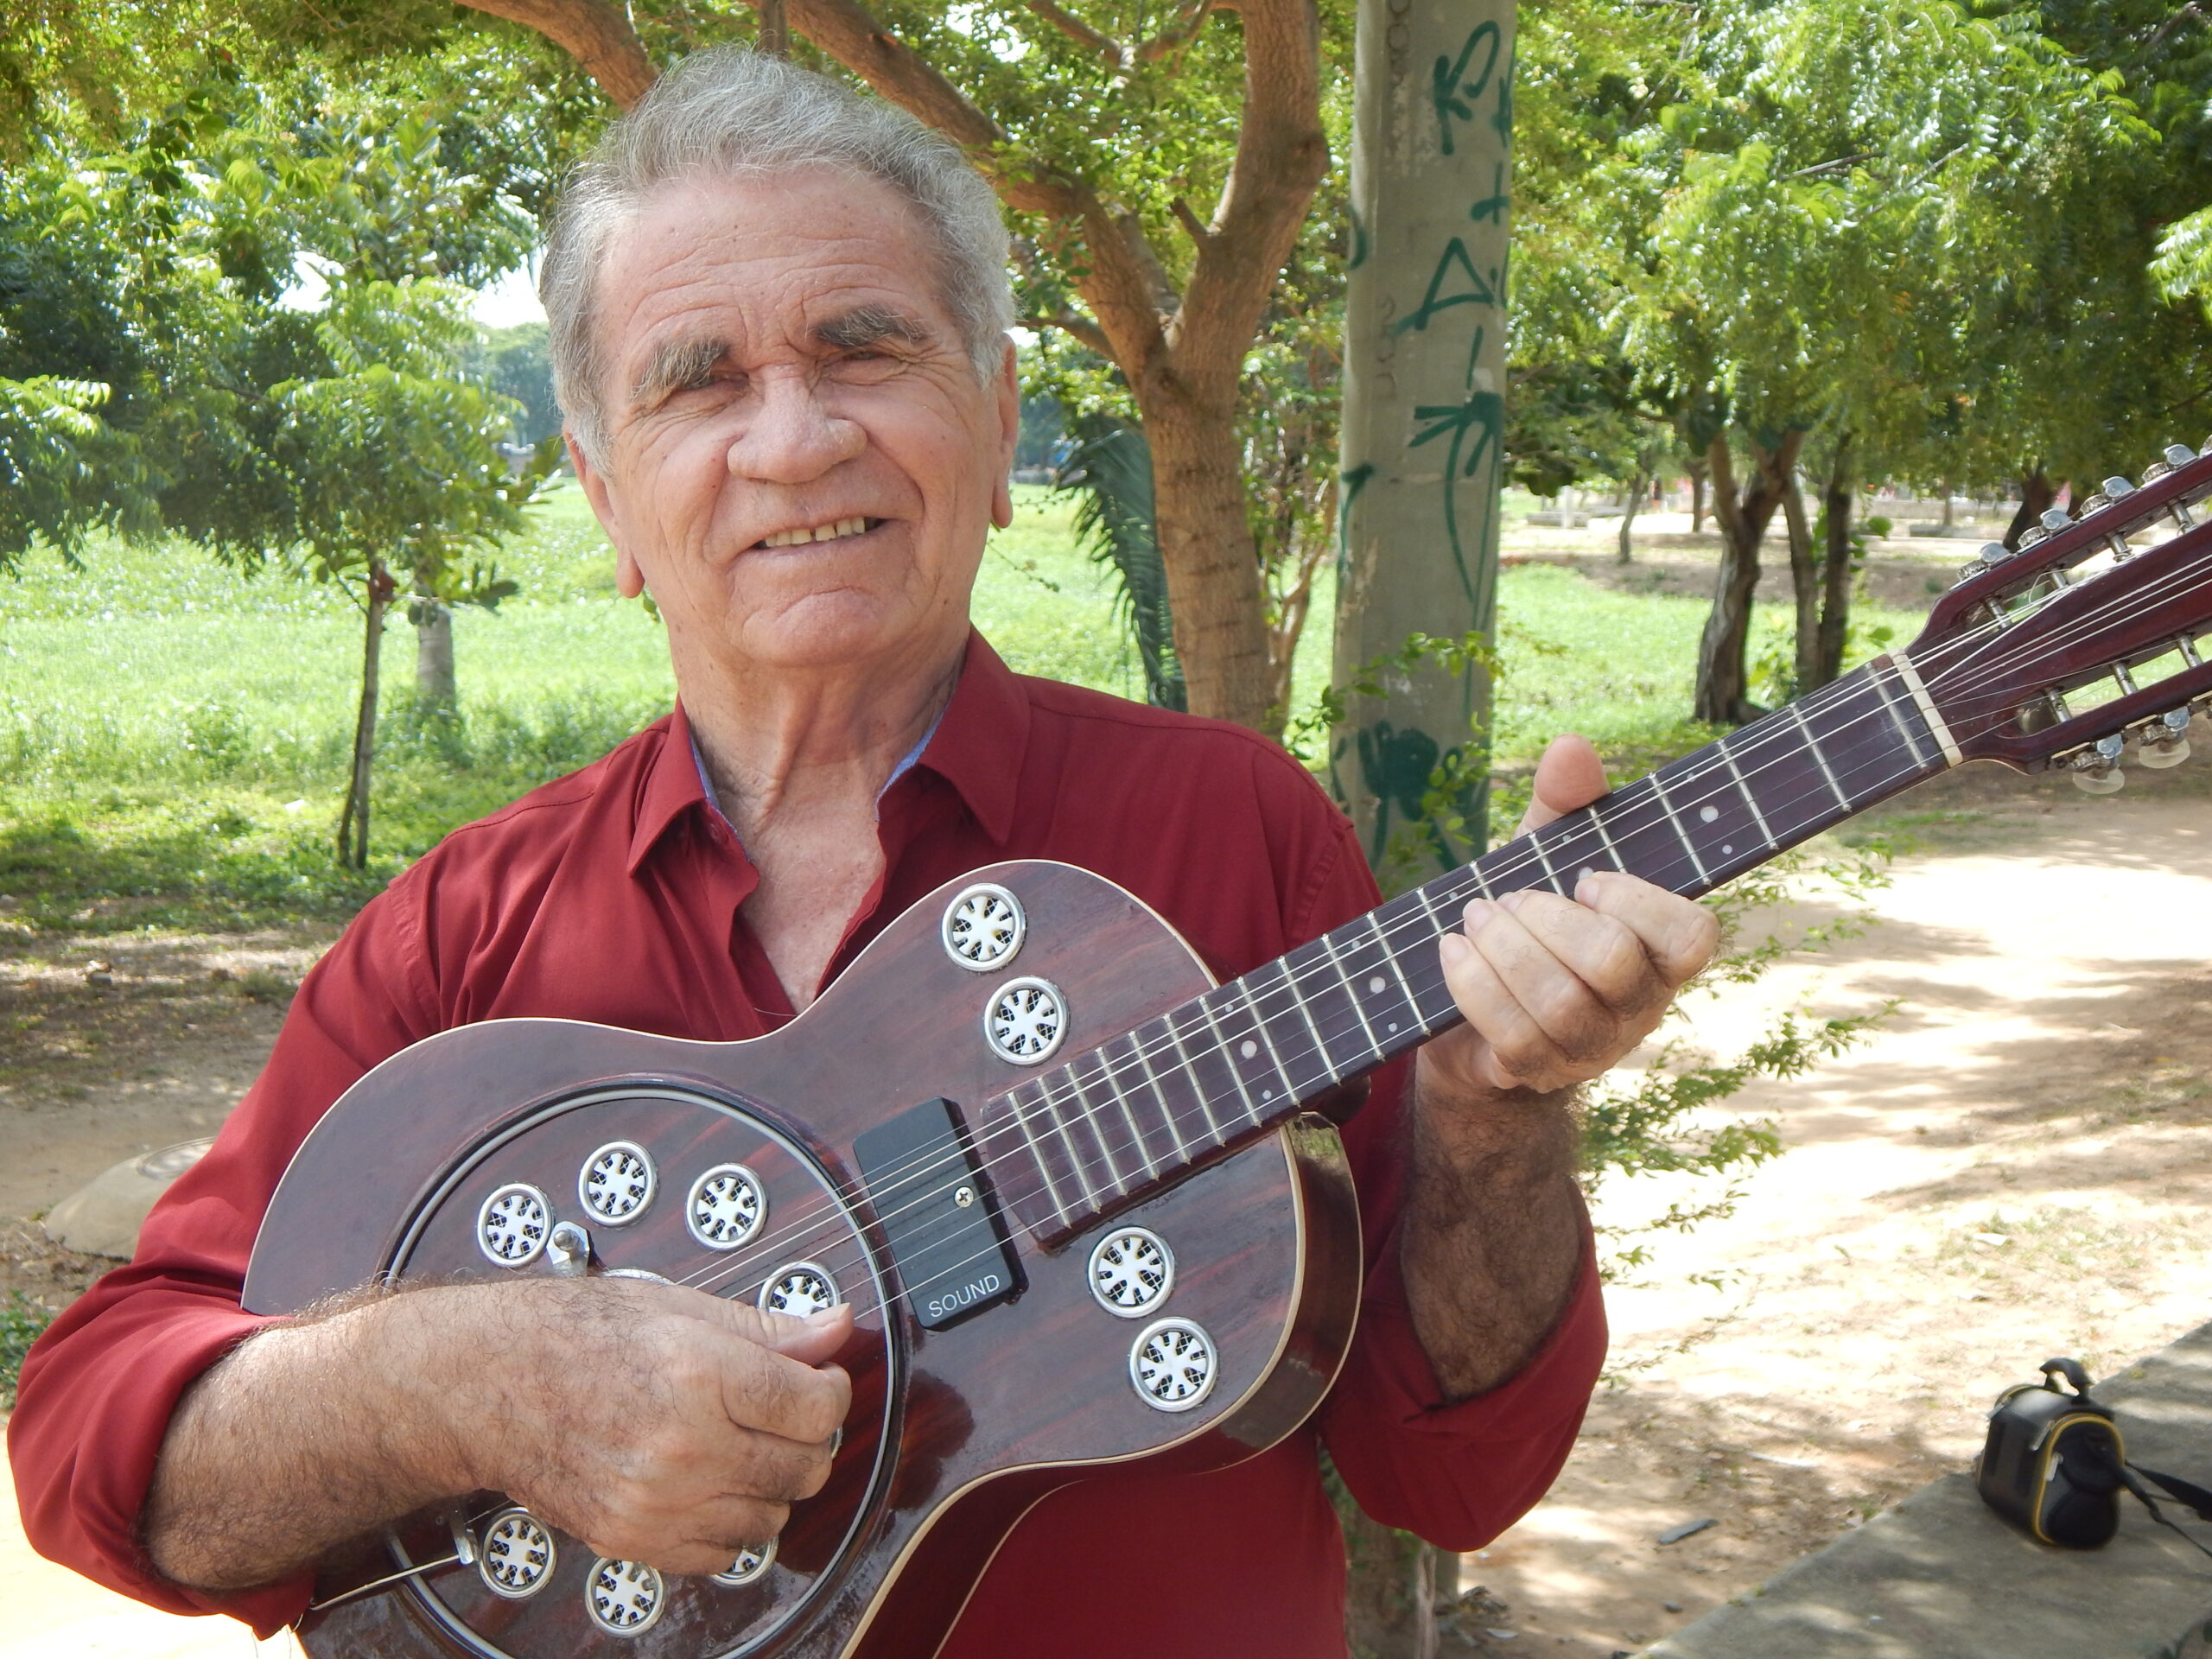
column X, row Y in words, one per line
column 1478, row 915
column 1455, row 949
column 1513, row 901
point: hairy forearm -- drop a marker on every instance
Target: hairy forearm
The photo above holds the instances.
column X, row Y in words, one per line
column 1492, row 1238
column 305, row 1436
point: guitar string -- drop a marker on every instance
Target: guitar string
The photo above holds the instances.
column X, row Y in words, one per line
column 1287, row 990
column 1291, row 1052
column 1111, row 1070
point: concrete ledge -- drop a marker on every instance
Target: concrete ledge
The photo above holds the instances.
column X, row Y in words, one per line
column 1940, row 1577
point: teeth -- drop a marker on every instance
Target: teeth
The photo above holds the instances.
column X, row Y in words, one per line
column 819, row 533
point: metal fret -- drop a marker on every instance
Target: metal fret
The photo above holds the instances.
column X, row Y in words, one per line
column 1228, row 1057
column 1382, row 943
column 1152, row 1082
column 1550, row 874
column 1321, row 1046
column 1896, row 714
column 1681, row 834
column 1744, row 788
column 1037, row 1153
column 1123, row 1100
column 1604, row 838
column 1268, row 1037
column 1089, row 1118
column 1351, row 993
column 1797, row 714
column 1197, row 1089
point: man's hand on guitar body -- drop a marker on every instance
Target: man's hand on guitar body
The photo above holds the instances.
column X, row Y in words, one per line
column 1555, row 992
column 659, row 1424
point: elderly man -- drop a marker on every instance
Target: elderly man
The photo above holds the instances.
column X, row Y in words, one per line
column 779, row 319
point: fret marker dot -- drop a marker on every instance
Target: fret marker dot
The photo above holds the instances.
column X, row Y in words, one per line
column 1708, row 813
column 1394, row 1025
column 1374, row 986
column 1266, row 1094
column 1725, row 848
column 1247, row 1048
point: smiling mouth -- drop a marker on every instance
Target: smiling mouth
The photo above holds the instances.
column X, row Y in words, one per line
column 833, row 532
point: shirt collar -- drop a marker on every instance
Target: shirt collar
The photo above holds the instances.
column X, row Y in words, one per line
column 976, row 746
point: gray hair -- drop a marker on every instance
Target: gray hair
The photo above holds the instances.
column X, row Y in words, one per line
column 730, row 113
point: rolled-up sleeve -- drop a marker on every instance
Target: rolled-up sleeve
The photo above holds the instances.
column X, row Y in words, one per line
column 98, row 1388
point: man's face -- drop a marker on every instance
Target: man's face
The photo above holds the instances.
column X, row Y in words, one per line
column 800, row 464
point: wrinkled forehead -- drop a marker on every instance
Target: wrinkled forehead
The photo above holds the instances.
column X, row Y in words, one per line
column 770, row 263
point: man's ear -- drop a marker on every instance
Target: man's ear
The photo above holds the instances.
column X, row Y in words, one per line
column 629, row 580
column 1007, row 390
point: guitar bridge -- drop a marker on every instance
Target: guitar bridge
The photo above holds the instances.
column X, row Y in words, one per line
column 937, row 1213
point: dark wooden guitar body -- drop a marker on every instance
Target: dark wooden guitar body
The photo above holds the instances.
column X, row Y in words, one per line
column 954, row 1432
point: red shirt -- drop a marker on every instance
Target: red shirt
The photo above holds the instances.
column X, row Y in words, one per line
column 613, row 895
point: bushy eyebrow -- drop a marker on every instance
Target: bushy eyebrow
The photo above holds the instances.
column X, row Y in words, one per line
column 871, row 324
column 676, row 366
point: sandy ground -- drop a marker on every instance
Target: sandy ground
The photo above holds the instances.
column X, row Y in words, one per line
column 2015, row 1166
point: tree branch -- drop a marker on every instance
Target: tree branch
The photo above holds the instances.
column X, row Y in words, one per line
column 1076, row 327
column 1116, row 55
column 1281, row 153
column 1123, row 286
column 596, row 35
column 1191, row 222
column 1178, row 35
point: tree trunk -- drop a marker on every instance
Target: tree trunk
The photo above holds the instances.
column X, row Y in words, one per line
column 2038, row 492
column 1723, row 696
column 1841, row 500
column 1215, row 594
column 434, row 679
column 1697, row 471
column 1804, row 587
column 354, row 818
column 1391, row 1596
column 1424, row 414
column 1627, row 554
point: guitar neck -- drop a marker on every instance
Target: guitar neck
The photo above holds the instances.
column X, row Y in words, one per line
column 1114, row 1125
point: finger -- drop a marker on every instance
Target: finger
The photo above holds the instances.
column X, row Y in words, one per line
column 1679, row 934
column 1574, row 1027
column 813, row 1340
column 1569, row 776
column 779, row 1395
column 1516, row 1051
column 1602, row 953
column 706, row 1539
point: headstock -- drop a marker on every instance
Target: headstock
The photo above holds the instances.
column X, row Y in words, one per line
column 2087, row 641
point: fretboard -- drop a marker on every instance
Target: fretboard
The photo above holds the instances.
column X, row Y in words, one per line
column 1109, row 1127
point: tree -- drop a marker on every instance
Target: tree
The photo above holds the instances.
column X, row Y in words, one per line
column 395, row 477
column 1099, row 132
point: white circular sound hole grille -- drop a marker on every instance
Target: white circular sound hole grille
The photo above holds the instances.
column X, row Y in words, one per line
column 518, row 1555
column 1172, row 1365
column 749, row 1565
column 511, row 1226
column 1026, row 1020
column 623, row 1598
column 1131, row 1272
column 616, row 1183
column 802, row 1288
column 984, row 927
column 726, row 1206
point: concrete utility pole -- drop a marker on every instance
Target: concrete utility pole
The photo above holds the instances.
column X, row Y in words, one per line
column 1424, row 415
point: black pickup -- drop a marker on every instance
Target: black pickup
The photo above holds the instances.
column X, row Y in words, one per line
column 936, row 1211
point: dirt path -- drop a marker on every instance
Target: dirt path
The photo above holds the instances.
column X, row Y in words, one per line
column 2016, row 1168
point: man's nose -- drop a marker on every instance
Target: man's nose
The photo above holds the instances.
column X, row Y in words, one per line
column 792, row 436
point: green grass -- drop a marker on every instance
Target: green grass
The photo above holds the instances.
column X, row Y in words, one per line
column 21, row 1320
column 172, row 734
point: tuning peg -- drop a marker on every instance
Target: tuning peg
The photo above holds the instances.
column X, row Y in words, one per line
column 2179, row 454
column 2056, row 519
column 2116, row 486
column 1991, row 555
column 2097, row 769
column 2165, row 741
